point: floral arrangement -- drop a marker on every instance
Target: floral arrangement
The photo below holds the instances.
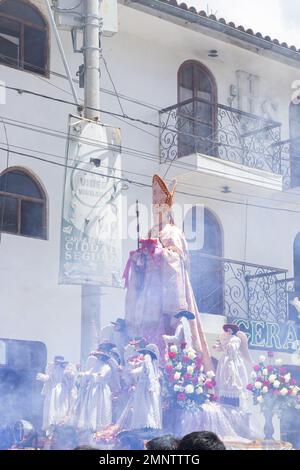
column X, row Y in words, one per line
column 187, row 384
column 272, row 385
column 107, row 435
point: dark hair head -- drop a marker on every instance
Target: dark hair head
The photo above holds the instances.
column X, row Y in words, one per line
column 203, row 440
column 167, row 442
column 85, row 447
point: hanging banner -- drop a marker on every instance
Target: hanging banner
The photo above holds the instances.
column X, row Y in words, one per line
column 91, row 219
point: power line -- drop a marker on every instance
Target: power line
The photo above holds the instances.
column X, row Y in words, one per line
column 145, row 185
column 126, row 151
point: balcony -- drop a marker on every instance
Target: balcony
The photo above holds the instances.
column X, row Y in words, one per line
column 222, row 139
column 239, row 290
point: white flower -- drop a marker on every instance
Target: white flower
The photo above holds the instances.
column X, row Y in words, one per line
column 189, row 389
column 179, row 366
column 265, row 389
column 260, row 399
column 253, row 375
column 191, row 355
column 176, row 388
column 201, row 379
column 262, row 358
column 276, row 384
column 258, row 385
column 210, row 374
column 201, row 368
column 265, row 372
column 295, row 391
column 177, row 375
column 284, row 392
column 287, row 378
column 278, row 362
column 199, row 390
column 272, row 378
column 190, row 370
column 174, row 348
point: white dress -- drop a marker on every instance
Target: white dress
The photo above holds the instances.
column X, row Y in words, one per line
column 231, row 375
column 182, row 334
column 143, row 409
column 60, row 394
column 95, row 399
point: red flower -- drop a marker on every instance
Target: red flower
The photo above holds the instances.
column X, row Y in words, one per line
column 282, row 379
column 282, row 370
column 172, row 355
column 266, row 383
column 181, row 396
column 250, row 387
column 183, row 345
column 169, row 369
column 256, row 368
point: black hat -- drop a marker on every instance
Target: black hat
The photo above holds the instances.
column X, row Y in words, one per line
column 101, row 354
column 235, row 328
column 186, row 314
column 60, row 360
column 120, row 321
column 150, row 349
column 106, row 346
column 138, row 341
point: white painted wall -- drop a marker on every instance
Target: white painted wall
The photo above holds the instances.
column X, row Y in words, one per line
column 143, row 59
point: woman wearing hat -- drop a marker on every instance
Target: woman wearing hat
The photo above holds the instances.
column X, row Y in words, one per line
column 231, row 374
column 143, row 409
column 59, row 391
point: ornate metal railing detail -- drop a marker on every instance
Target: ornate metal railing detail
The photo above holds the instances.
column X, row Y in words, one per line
column 290, row 162
column 249, row 291
column 230, row 134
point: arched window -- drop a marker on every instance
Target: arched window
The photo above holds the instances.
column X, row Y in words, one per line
column 207, row 276
column 22, row 204
column 23, row 36
column 295, row 144
column 197, row 98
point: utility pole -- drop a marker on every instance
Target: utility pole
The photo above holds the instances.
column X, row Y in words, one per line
column 91, row 294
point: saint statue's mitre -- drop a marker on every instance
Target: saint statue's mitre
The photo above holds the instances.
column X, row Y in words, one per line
column 161, row 193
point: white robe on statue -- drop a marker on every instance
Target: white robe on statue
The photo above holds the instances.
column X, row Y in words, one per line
column 182, row 334
column 143, row 409
column 231, row 374
column 60, row 394
column 95, row 403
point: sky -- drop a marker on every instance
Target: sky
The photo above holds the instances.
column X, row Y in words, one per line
column 280, row 19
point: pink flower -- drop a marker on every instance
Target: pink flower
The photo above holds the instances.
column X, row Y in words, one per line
column 187, row 376
column 282, row 379
column 183, row 345
column 259, row 379
column 270, row 354
column 209, row 384
column 198, row 361
column 266, row 383
column 172, row 355
column 181, row 396
column 282, row 370
column 214, row 397
column 250, row 387
column 293, row 382
column 256, row 368
column 169, row 368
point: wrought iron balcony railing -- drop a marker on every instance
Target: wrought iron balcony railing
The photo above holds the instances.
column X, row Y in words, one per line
column 199, row 126
column 239, row 290
column 290, row 161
